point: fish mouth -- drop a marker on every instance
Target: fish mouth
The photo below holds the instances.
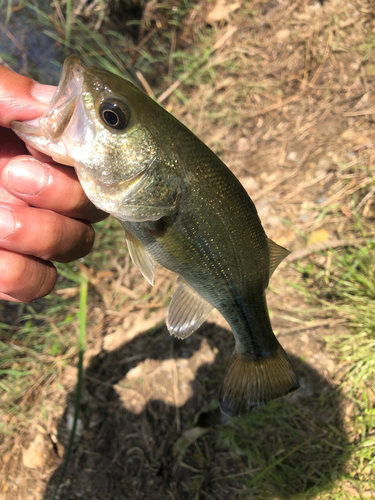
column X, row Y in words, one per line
column 44, row 133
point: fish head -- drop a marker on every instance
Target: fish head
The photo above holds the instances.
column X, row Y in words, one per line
column 106, row 128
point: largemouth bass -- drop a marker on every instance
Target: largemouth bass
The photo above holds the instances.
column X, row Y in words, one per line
column 181, row 207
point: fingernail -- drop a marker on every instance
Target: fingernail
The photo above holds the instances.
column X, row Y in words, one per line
column 25, row 176
column 43, row 93
column 6, row 223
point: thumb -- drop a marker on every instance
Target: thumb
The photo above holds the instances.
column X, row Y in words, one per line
column 21, row 98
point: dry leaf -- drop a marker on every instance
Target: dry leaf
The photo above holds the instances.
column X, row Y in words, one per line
column 188, row 437
column 36, row 455
column 221, row 11
column 282, row 35
column 318, row 236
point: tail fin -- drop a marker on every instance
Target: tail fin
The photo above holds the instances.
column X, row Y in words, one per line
column 249, row 384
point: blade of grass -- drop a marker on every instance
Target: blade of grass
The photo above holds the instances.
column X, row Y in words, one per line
column 9, row 10
column 67, row 21
column 81, row 345
column 266, row 470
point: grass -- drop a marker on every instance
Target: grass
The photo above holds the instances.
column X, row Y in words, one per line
column 110, row 33
column 327, row 450
column 83, row 281
column 345, row 289
column 320, row 446
column 34, row 336
column 41, row 338
column 307, row 461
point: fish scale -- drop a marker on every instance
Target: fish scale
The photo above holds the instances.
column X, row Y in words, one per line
column 181, row 207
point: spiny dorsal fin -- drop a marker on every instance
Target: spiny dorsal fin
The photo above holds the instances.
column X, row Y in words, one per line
column 277, row 254
column 140, row 257
column 187, row 311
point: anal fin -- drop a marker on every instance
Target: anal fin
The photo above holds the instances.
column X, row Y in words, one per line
column 187, row 311
column 140, row 257
column 248, row 384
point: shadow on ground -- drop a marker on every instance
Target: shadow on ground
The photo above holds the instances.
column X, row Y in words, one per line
column 292, row 448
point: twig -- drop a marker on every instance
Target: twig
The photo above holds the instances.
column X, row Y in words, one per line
column 12, row 38
column 318, row 72
column 145, row 84
column 317, row 247
column 238, row 474
column 370, row 111
column 141, row 455
column 348, row 190
column 177, row 83
column 223, row 40
column 309, row 325
column 367, row 197
column 175, row 387
column 304, row 185
column 277, row 105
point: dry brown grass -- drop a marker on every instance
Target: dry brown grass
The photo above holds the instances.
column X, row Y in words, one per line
column 285, row 95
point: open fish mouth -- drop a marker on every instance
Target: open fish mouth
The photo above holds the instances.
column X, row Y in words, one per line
column 45, row 133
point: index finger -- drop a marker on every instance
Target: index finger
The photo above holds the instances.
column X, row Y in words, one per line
column 50, row 186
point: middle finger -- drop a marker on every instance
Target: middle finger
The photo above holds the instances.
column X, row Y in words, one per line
column 44, row 233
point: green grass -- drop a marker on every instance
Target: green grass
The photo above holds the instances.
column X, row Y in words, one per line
column 83, row 281
column 283, row 450
column 347, row 289
column 36, row 351
column 40, row 338
column 324, row 450
column 112, row 40
column 290, row 451
column 291, row 455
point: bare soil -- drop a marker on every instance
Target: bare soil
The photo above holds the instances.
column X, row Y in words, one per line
column 286, row 99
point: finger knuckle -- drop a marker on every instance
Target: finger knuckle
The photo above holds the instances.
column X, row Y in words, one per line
column 54, row 239
column 12, row 271
column 24, row 277
column 88, row 239
column 42, row 279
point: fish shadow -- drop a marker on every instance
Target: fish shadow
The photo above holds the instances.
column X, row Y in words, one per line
column 132, row 440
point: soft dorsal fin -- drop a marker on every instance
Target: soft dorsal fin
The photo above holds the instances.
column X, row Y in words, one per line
column 277, row 254
column 140, row 257
column 187, row 311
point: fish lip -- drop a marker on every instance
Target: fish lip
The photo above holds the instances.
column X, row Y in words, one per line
column 71, row 73
column 56, row 118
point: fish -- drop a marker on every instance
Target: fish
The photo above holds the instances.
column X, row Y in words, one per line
column 181, row 207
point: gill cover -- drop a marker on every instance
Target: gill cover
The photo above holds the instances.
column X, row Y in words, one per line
column 96, row 123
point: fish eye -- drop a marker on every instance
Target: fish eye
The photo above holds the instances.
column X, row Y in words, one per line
column 114, row 115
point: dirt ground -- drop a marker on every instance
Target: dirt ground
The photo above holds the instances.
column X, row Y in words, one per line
column 286, row 99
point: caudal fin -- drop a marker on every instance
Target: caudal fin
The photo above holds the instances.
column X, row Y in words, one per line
column 249, row 384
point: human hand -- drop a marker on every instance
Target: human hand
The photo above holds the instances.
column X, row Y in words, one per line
column 44, row 213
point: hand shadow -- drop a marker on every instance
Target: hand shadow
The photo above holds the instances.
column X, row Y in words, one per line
column 127, row 446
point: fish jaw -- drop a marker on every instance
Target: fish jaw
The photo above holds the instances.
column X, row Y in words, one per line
column 116, row 168
column 65, row 123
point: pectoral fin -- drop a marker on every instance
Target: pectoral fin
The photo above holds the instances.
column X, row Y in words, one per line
column 140, row 257
column 277, row 254
column 187, row 311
